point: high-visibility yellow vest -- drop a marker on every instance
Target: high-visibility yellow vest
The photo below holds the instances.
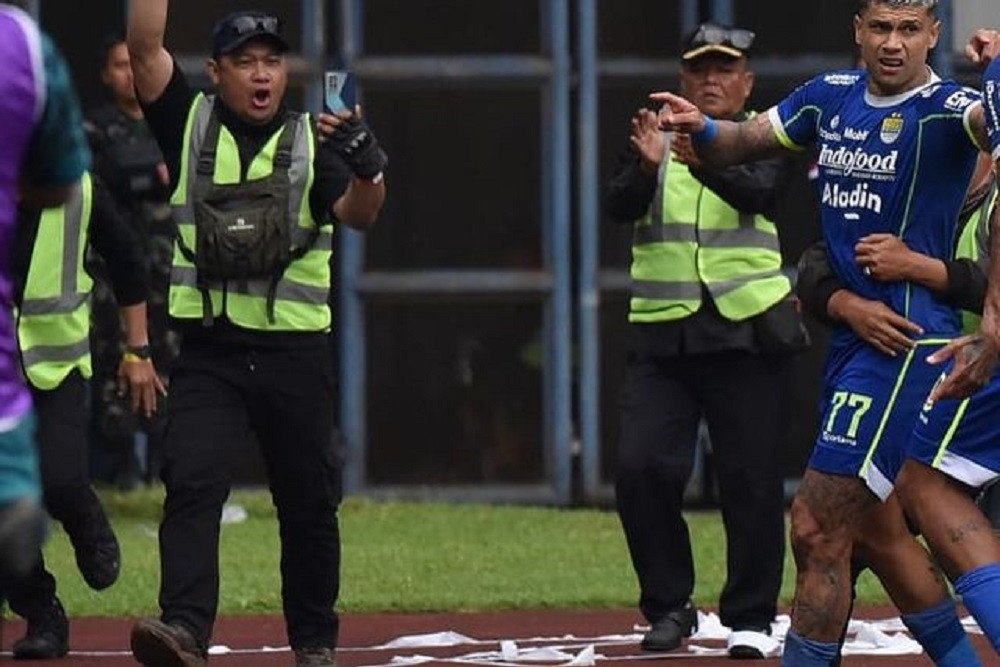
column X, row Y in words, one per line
column 973, row 243
column 302, row 294
column 53, row 328
column 691, row 237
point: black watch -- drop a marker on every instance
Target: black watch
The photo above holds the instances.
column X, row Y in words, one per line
column 141, row 351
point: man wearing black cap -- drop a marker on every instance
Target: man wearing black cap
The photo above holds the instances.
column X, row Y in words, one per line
column 255, row 187
column 712, row 329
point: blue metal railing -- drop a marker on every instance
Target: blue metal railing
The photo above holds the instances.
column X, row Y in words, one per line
column 550, row 71
column 353, row 349
column 588, row 289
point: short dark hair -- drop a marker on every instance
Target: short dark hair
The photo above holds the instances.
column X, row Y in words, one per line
column 930, row 5
column 109, row 41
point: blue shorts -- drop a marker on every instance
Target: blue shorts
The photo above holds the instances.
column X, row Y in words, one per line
column 868, row 410
column 961, row 438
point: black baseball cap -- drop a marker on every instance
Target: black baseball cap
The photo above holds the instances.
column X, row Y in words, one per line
column 238, row 28
column 711, row 38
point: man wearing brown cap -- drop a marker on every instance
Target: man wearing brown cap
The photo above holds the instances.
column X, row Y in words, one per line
column 712, row 329
column 256, row 189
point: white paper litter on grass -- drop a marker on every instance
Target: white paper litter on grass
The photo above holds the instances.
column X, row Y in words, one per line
column 432, row 639
column 870, row 640
column 883, row 637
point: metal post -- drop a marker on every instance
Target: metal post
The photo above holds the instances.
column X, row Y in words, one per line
column 353, row 353
column 689, row 16
column 314, row 50
column 942, row 59
column 556, row 165
column 589, row 294
column 722, row 12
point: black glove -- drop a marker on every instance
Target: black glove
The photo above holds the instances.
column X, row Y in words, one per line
column 354, row 142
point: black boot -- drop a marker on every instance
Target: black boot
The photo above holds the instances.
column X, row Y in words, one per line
column 94, row 544
column 47, row 636
column 667, row 633
column 158, row 644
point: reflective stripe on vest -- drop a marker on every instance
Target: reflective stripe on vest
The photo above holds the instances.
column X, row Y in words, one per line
column 53, row 328
column 691, row 239
column 974, row 243
column 301, row 302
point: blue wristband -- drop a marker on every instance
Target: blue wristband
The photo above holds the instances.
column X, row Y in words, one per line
column 708, row 133
column 991, row 104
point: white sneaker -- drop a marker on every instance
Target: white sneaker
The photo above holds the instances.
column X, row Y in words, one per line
column 752, row 645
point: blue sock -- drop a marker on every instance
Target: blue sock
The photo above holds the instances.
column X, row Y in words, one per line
column 980, row 591
column 802, row 652
column 941, row 634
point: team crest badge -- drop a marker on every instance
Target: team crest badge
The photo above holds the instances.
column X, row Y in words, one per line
column 892, row 127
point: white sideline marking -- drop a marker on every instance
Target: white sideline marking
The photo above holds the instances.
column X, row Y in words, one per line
column 884, row 637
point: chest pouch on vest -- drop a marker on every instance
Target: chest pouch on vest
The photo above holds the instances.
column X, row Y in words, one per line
column 242, row 231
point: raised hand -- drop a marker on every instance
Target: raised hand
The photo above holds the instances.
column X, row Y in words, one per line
column 647, row 140
column 983, row 47
column 349, row 136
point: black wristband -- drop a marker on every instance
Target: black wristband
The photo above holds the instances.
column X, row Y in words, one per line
column 141, row 351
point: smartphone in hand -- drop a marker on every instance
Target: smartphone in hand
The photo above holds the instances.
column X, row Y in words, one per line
column 339, row 91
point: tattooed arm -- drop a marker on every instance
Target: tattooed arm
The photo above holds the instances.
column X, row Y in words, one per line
column 734, row 143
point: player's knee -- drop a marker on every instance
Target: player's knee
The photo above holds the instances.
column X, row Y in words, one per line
column 813, row 544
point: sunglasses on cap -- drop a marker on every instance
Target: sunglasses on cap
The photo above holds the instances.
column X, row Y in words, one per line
column 713, row 35
column 242, row 25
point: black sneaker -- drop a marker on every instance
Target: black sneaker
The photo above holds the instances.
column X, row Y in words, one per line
column 157, row 644
column 667, row 633
column 47, row 636
column 315, row 657
column 95, row 546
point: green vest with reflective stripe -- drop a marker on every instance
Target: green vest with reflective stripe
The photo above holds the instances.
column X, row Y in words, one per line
column 301, row 298
column 53, row 328
column 691, row 237
column 974, row 243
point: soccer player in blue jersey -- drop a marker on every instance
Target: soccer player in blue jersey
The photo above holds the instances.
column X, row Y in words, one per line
column 955, row 446
column 897, row 147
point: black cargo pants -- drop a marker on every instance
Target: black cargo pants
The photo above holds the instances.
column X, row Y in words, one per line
column 219, row 395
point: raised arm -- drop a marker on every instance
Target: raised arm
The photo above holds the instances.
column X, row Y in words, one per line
column 719, row 143
column 984, row 50
column 976, row 356
column 152, row 65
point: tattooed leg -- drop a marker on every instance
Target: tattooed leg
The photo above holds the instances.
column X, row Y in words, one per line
column 957, row 531
column 960, row 536
column 908, row 573
column 826, row 517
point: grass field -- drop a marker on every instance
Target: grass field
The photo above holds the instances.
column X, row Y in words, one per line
column 408, row 557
